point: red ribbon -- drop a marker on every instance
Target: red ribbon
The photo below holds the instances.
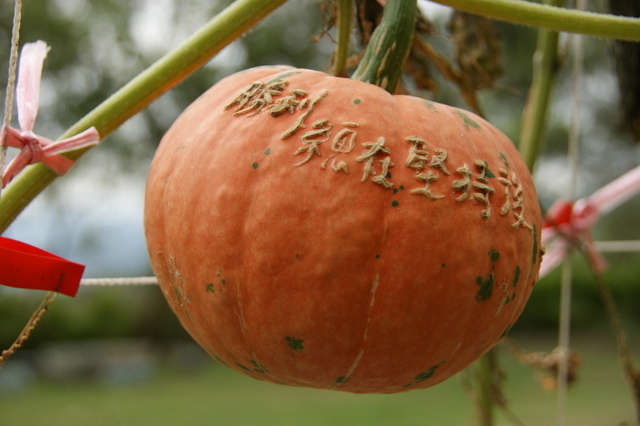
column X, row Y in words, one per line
column 568, row 223
column 25, row 266
column 572, row 222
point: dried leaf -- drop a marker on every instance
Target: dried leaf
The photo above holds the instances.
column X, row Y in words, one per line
column 627, row 58
column 477, row 49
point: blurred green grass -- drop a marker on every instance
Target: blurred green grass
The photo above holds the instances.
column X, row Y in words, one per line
column 213, row 395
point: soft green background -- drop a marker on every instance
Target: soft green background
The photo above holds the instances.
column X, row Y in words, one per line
column 208, row 394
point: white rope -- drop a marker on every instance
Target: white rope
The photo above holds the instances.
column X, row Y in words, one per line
column 119, row 281
column 618, row 246
column 13, row 63
column 564, row 326
column 603, row 246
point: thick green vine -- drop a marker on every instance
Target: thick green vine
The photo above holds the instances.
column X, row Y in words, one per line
column 389, row 46
column 552, row 17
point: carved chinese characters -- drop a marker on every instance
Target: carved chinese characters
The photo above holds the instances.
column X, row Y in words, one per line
column 337, row 146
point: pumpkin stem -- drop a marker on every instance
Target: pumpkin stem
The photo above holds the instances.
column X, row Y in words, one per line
column 545, row 65
column 389, row 47
column 345, row 19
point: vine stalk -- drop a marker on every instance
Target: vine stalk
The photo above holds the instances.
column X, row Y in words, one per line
column 486, row 369
column 552, row 17
column 345, row 22
column 389, row 46
column 545, row 65
column 625, row 357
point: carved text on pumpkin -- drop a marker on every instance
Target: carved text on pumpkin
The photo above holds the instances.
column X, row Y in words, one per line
column 517, row 207
column 376, row 159
column 256, row 97
column 427, row 178
column 299, row 124
column 310, row 141
column 369, row 157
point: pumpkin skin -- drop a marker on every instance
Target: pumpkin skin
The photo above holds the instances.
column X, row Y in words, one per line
column 298, row 247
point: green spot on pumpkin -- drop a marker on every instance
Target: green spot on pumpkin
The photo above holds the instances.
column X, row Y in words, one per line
column 395, row 190
column 516, row 276
column 357, row 101
column 254, row 165
column 494, row 255
column 295, row 344
column 340, row 380
column 259, row 368
column 468, row 121
column 488, row 173
column 424, row 376
column 486, row 287
column 242, row 366
column 430, row 104
column 504, row 160
column 427, row 374
column 220, row 360
column 395, row 203
column 267, row 151
column 209, row 288
column 281, row 76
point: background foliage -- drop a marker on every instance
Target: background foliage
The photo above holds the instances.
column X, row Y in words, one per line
column 94, row 216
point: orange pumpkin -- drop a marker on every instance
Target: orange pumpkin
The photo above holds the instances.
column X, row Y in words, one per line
column 318, row 231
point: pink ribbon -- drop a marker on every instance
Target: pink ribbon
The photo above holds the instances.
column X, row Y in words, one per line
column 34, row 148
column 568, row 224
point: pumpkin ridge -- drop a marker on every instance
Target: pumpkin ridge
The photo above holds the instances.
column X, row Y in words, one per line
column 374, row 288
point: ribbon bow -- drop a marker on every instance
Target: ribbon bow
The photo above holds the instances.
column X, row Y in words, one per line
column 34, row 148
column 569, row 223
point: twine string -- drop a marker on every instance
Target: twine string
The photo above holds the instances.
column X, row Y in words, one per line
column 126, row 281
column 11, row 80
column 29, row 327
column 8, row 109
column 564, row 327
